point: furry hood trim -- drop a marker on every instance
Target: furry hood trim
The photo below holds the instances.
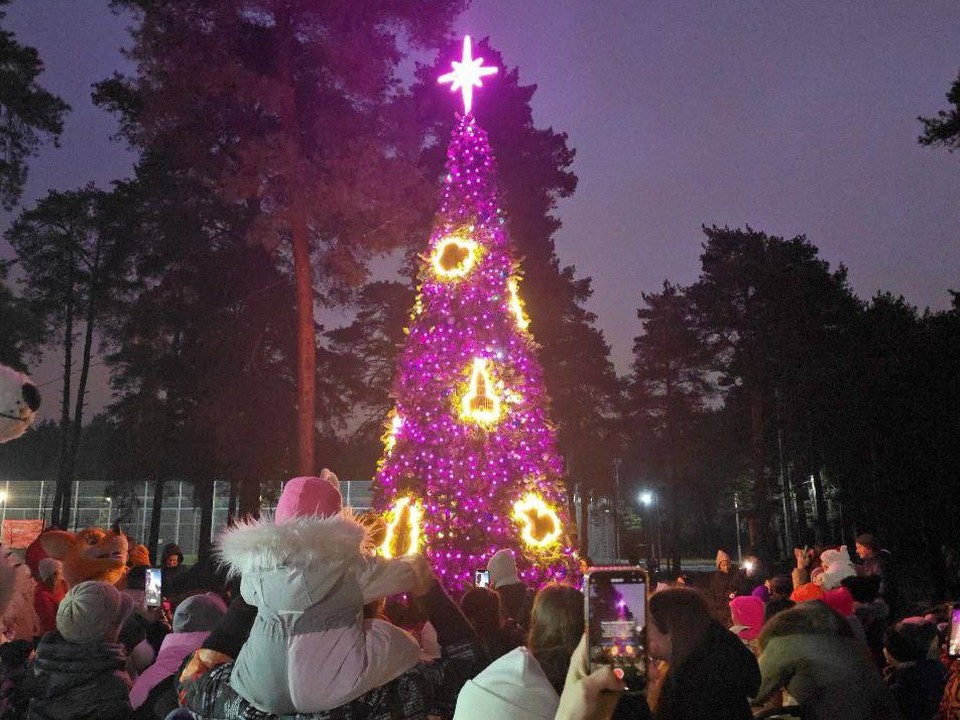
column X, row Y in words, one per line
column 260, row 544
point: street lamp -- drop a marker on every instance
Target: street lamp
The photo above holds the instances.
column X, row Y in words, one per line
column 3, row 501
column 109, row 508
column 648, row 498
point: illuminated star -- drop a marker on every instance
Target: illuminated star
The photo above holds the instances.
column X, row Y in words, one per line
column 466, row 75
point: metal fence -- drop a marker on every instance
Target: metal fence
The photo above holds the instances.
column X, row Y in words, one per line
column 99, row 504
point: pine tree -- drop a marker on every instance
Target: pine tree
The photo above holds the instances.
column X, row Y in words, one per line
column 471, row 465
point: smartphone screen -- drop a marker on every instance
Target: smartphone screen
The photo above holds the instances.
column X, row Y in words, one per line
column 481, row 578
column 953, row 643
column 616, row 615
column 152, row 595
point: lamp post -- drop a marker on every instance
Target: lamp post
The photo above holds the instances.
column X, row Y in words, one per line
column 648, row 498
column 109, row 508
column 736, row 518
column 616, row 505
column 4, row 494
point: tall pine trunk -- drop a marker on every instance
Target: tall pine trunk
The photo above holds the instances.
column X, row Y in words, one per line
column 300, row 241
column 760, row 497
column 675, row 526
column 84, row 374
column 249, row 500
column 155, row 515
column 61, row 500
column 203, row 494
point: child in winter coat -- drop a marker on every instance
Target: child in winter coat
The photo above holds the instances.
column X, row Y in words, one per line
column 80, row 668
column 309, row 577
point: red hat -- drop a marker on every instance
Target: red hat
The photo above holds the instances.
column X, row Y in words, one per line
column 840, row 600
column 309, row 497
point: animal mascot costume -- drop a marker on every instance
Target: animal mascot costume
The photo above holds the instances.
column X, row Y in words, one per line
column 19, row 402
column 91, row 554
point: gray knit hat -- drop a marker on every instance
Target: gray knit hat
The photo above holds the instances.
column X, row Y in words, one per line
column 199, row 613
column 92, row 611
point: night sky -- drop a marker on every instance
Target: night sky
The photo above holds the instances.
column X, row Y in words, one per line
column 790, row 117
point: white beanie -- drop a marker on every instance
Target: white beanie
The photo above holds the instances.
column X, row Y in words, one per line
column 721, row 556
column 503, row 568
column 514, row 687
column 92, row 611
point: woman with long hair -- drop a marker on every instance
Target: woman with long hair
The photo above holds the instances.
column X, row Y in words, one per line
column 710, row 673
column 498, row 635
column 526, row 683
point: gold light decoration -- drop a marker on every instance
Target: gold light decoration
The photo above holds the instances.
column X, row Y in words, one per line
column 455, row 256
column 393, row 427
column 403, row 528
column 516, row 304
column 480, row 404
column 540, row 525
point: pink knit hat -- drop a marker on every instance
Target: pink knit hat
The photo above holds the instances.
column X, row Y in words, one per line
column 309, row 497
column 747, row 614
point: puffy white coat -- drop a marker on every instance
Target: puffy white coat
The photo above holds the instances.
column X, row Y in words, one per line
column 310, row 648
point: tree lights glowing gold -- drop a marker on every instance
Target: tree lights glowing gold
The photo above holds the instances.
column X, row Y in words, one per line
column 480, row 403
column 540, row 524
column 455, row 256
column 403, row 528
column 393, row 427
column 516, row 304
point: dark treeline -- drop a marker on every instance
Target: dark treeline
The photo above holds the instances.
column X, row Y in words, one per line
column 268, row 179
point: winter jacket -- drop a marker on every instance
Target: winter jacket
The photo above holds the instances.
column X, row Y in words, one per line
column 513, row 688
column 918, row 688
column 173, row 651
column 829, row 676
column 950, row 704
column 426, row 689
column 310, row 648
column 46, row 602
column 722, row 586
column 515, row 603
column 79, row 681
column 716, row 680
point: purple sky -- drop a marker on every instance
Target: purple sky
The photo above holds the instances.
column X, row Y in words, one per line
column 792, row 117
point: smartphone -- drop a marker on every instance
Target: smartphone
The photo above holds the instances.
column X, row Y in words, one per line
column 152, row 595
column 953, row 642
column 616, row 618
column 481, row 578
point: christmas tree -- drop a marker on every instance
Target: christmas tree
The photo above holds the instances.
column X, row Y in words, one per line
column 470, row 464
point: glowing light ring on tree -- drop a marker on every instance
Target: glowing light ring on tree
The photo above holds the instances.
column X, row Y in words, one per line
column 480, row 403
column 455, row 256
column 530, row 512
column 410, row 508
column 516, row 304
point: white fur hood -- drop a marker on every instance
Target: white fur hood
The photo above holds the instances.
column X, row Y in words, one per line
column 295, row 565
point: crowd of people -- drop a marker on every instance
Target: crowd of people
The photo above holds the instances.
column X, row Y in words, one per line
column 304, row 622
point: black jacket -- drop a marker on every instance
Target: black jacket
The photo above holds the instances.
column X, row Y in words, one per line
column 79, row 681
column 716, row 681
column 516, row 603
column 918, row 688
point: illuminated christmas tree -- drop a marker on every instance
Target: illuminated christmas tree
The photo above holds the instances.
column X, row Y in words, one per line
column 470, row 463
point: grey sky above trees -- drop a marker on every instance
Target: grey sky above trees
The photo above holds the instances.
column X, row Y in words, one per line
column 794, row 120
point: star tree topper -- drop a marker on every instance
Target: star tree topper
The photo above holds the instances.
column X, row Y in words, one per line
column 466, row 75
